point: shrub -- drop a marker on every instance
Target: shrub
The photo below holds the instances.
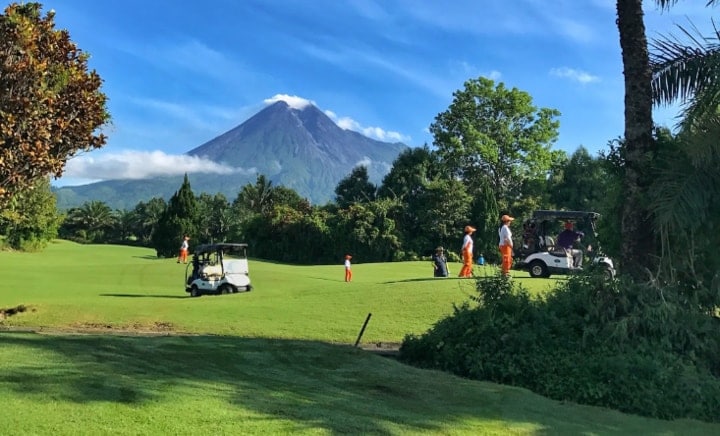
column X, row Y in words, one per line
column 617, row 344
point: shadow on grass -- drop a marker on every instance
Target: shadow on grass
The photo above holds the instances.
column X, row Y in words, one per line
column 145, row 296
column 428, row 279
column 313, row 385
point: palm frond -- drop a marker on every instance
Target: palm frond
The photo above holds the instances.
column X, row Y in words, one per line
column 699, row 136
column 685, row 69
column 681, row 199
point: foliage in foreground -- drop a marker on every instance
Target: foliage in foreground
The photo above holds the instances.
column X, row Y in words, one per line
column 644, row 350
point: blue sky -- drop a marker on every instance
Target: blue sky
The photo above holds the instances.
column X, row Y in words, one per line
column 179, row 73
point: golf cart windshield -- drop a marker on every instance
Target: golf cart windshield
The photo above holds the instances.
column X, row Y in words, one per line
column 226, row 247
column 564, row 215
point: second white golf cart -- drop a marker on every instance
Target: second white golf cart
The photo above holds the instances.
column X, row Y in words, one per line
column 220, row 268
column 538, row 253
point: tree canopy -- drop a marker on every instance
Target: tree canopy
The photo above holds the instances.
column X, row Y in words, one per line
column 494, row 135
column 51, row 105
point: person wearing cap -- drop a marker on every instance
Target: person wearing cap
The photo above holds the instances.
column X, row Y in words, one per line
column 467, row 252
column 439, row 263
column 506, row 244
column 184, row 247
column 566, row 239
column 348, row 269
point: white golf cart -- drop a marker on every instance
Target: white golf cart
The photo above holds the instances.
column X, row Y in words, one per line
column 218, row 269
column 538, row 253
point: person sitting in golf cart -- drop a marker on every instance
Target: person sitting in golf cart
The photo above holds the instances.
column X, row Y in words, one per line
column 566, row 239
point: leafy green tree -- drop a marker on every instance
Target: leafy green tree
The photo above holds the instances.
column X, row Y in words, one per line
column 579, row 184
column 355, row 188
column 410, row 171
column 439, row 214
column 51, row 105
column 31, row 219
column 214, row 222
column 179, row 219
column 494, row 135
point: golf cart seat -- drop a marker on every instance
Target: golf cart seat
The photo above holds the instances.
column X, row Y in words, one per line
column 546, row 243
column 558, row 251
column 212, row 271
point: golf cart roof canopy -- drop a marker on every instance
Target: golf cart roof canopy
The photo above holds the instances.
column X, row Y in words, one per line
column 566, row 215
column 224, row 246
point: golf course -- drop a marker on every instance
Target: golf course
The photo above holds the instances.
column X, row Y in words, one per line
column 103, row 339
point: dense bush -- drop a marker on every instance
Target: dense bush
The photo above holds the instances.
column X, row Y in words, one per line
column 644, row 350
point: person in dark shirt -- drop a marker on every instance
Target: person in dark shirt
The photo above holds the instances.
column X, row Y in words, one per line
column 566, row 239
column 440, row 263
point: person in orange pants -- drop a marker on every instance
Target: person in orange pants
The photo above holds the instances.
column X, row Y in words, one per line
column 467, row 252
column 348, row 269
column 506, row 244
column 182, row 256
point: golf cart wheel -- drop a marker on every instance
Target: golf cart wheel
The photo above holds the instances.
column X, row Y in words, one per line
column 248, row 288
column 609, row 273
column 226, row 289
column 538, row 269
column 194, row 291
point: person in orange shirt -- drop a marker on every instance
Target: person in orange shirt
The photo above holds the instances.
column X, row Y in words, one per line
column 467, row 252
column 506, row 244
column 348, row 269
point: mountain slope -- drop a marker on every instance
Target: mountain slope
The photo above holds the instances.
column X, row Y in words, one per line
column 301, row 149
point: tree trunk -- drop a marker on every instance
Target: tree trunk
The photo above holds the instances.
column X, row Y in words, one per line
column 638, row 240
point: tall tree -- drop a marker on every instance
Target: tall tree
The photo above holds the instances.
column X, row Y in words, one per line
column 638, row 239
column 355, row 188
column 413, row 168
column 678, row 74
column 580, row 184
column 50, row 103
column 179, row 219
column 494, row 135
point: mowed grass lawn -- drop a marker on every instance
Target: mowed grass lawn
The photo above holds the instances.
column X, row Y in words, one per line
column 277, row 360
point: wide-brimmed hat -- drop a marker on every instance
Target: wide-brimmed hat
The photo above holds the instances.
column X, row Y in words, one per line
column 469, row 229
column 347, row 256
column 506, row 218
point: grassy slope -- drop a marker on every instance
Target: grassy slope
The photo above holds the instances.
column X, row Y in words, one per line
column 234, row 379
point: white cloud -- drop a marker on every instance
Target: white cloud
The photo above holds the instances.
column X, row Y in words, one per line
column 133, row 164
column 293, row 101
column 378, row 133
column 364, row 162
column 493, row 75
column 573, row 74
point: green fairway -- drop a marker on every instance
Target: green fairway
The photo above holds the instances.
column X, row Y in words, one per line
column 72, row 286
column 277, row 360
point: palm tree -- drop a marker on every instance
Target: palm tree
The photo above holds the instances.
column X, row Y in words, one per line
column 91, row 221
column 638, row 240
column 672, row 80
column 685, row 196
column 688, row 72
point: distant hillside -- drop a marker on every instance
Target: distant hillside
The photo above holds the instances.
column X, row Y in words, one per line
column 302, row 149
